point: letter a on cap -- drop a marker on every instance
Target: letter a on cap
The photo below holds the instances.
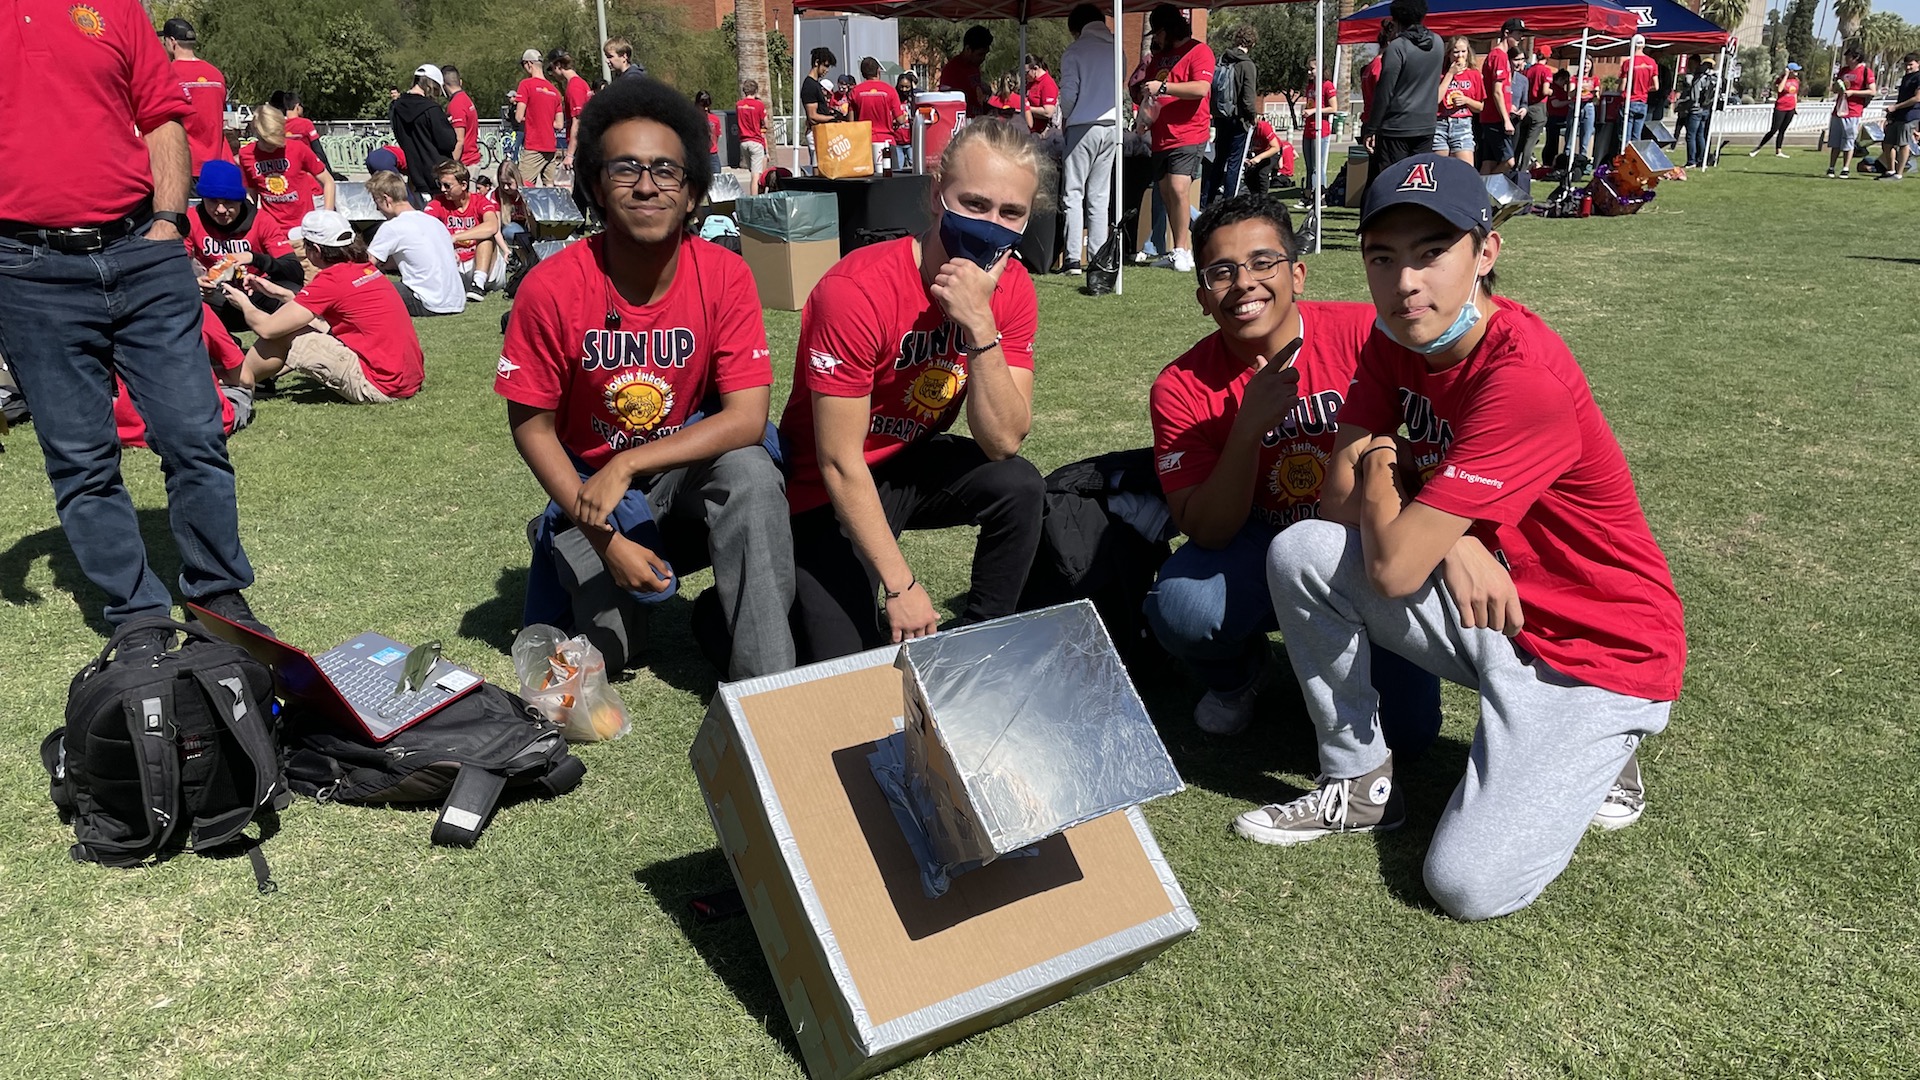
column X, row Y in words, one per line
column 1419, row 178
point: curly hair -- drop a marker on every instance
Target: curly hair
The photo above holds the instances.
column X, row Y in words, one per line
column 641, row 99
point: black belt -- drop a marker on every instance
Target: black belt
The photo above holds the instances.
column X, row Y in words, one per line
column 78, row 241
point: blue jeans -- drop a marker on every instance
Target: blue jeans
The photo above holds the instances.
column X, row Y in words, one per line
column 1583, row 140
column 1212, row 609
column 74, row 321
column 1696, row 125
column 1221, row 177
column 1636, row 123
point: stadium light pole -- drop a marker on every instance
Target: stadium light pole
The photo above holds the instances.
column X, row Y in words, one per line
column 606, row 69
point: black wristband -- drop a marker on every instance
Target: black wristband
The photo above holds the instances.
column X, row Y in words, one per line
column 888, row 594
column 1361, row 463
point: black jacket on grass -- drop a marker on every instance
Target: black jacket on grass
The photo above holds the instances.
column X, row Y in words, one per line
column 424, row 134
column 1406, row 100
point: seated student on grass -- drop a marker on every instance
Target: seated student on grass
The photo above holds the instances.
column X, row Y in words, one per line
column 417, row 247
column 227, row 236
column 1243, row 429
column 368, row 352
column 637, row 381
column 472, row 218
column 1500, row 546
column 228, row 363
column 896, row 339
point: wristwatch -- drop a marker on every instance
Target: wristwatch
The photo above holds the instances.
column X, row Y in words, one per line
column 174, row 218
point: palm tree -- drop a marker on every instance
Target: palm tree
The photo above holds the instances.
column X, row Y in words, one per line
column 1850, row 12
column 750, row 43
column 1725, row 14
column 1881, row 36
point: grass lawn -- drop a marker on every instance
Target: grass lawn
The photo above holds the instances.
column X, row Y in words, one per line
column 1752, row 336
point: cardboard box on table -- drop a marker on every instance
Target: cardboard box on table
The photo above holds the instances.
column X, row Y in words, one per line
column 790, row 240
column 872, row 972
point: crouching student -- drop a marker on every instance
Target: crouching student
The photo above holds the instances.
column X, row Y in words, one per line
column 1243, row 430
column 1502, row 546
column 895, row 341
column 472, row 218
column 367, row 353
column 229, row 237
column 637, row 380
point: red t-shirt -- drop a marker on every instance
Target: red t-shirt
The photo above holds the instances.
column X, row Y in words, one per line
column 751, row 114
column 1539, row 83
column 1496, row 78
column 713, row 132
column 1264, row 137
column 878, row 103
column 543, row 104
column 615, row 389
column 91, row 74
column 1789, row 98
column 209, row 245
column 1195, row 399
column 226, row 356
column 1180, row 121
column 287, row 184
column 302, row 129
column 1369, row 78
column 871, row 330
column 1560, row 101
column 1042, row 91
column 467, row 217
column 206, row 89
column 460, row 111
column 1511, row 438
column 1329, row 99
column 1468, row 82
column 963, row 76
column 1645, row 73
column 575, row 99
column 365, row 312
column 1589, row 89
column 1859, row 77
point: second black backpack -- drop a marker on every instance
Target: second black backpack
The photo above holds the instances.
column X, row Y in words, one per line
column 463, row 757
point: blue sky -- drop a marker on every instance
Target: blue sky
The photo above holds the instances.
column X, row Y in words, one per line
column 1906, row 9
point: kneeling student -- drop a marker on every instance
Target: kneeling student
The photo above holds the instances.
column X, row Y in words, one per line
column 894, row 341
column 368, row 352
column 637, row 380
column 417, row 247
column 472, row 218
column 1502, row 547
column 1243, row 429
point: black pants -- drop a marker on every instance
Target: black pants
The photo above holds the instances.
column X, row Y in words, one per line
column 1388, row 149
column 1259, row 178
column 1782, row 119
column 943, row 482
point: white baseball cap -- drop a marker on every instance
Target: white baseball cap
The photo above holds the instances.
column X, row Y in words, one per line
column 328, row 228
column 531, row 56
column 1639, row 39
column 431, row 71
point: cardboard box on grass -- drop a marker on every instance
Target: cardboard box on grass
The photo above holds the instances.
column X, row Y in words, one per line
column 871, row 971
column 790, row 240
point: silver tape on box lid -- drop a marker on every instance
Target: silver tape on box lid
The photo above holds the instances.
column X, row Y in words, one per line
column 1024, row 727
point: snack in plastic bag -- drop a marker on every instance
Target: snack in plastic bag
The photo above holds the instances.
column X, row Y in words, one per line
column 566, row 679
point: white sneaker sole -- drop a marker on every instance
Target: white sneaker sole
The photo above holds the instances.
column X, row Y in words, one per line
column 1612, row 817
column 1252, row 829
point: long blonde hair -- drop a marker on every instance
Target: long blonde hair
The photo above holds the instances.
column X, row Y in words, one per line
column 1012, row 141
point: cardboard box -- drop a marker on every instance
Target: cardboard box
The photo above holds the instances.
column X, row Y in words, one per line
column 1356, row 181
column 872, row 972
column 786, row 272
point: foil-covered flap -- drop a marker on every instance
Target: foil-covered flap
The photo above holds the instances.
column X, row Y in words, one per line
column 1023, row 727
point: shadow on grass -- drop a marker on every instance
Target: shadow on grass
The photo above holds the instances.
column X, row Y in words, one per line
column 1887, row 258
column 16, row 562
column 728, row 946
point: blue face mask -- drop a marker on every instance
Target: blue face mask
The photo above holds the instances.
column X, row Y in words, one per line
column 1468, row 318
column 973, row 238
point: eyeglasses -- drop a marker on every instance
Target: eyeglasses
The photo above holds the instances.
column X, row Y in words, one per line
column 448, row 185
column 667, row 175
column 1219, row 276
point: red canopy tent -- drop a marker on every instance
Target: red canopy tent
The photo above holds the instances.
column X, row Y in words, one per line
column 1483, row 18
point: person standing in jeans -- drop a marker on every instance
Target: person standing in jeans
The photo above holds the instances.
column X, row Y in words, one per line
column 95, row 254
column 1786, row 103
column 1233, row 114
column 1087, row 107
column 1694, row 109
column 1639, row 77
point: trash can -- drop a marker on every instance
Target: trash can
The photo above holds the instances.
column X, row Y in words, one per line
column 789, row 239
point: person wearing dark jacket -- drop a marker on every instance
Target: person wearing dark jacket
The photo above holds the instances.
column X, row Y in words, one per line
column 1232, row 120
column 421, row 128
column 1402, row 120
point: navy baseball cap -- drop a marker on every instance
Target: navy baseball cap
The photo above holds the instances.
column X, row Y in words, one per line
column 220, row 180
column 1445, row 185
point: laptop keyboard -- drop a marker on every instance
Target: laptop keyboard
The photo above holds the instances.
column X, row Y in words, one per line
column 368, row 687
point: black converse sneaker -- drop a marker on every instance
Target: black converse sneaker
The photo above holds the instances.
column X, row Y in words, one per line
column 1367, row 803
column 232, row 606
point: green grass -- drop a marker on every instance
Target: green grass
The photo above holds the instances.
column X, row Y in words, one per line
column 1752, row 337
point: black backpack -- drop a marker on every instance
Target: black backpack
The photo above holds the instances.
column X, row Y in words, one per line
column 1223, row 98
column 160, row 756
column 464, row 757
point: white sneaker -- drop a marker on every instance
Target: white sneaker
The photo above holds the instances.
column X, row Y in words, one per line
column 1755, row 153
column 1141, row 258
column 1779, row 153
column 1226, row 714
column 1625, row 801
column 1370, row 803
column 1183, row 260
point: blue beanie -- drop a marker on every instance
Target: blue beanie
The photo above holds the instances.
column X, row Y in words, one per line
column 220, row 180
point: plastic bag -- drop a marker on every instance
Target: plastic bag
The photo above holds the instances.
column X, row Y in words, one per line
column 566, row 679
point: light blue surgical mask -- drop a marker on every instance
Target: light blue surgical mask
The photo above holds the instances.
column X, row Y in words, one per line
column 1468, row 318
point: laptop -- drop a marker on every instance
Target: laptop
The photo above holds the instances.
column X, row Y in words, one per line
column 351, row 684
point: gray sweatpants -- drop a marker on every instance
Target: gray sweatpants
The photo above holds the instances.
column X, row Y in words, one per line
column 1545, row 752
column 1087, row 188
column 731, row 510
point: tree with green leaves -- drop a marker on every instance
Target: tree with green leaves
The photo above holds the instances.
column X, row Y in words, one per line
column 1883, row 37
column 1850, row 14
column 1725, row 14
column 1798, row 31
column 1284, row 47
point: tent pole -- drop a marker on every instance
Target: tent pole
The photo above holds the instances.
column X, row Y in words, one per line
column 1116, row 210
column 1020, row 62
column 1626, row 95
column 1313, row 91
column 1573, row 125
column 798, row 116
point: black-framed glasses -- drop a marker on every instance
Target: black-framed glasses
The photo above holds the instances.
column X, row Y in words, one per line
column 667, row 175
column 1262, row 267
